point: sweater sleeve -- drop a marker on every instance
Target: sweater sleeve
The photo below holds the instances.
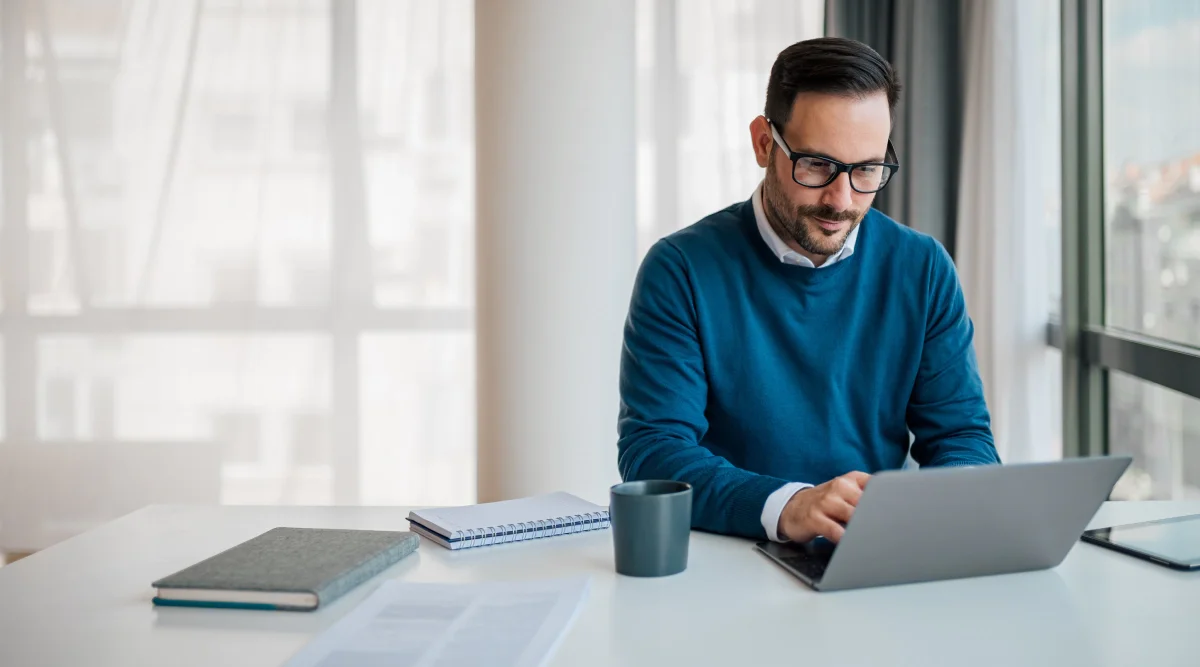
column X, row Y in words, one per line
column 946, row 411
column 664, row 393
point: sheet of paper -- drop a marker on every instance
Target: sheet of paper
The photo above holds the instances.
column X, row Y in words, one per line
column 510, row 624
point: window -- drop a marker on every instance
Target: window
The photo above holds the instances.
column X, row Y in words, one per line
column 244, row 399
column 199, row 271
column 1160, row 429
column 1152, row 167
column 416, row 446
column 1131, row 291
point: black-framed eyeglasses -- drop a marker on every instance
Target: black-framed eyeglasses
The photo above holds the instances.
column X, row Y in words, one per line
column 817, row 171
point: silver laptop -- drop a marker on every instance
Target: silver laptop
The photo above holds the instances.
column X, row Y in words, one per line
column 948, row 523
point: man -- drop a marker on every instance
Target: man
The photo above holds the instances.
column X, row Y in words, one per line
column 781, row 350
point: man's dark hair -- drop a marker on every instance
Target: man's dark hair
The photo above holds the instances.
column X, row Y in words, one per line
column 833, row 65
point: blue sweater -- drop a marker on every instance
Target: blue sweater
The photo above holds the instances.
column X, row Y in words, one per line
column 740, row 373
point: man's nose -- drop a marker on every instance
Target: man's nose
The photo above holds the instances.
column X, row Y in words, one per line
column 838, row 195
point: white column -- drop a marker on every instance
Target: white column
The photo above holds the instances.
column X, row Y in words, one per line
column 555, row 240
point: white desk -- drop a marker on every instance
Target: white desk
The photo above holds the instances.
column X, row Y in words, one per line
column 87, row 601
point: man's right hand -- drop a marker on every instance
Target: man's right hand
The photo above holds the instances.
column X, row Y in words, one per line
column 822, row 510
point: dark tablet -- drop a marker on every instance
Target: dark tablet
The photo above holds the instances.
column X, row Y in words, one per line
column 1171, row 542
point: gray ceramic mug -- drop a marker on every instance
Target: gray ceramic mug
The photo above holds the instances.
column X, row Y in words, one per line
column 651, row 524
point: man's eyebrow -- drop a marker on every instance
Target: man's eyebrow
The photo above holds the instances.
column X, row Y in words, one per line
column 805, row 149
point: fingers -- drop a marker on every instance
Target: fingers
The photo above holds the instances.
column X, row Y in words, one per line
column 828, row 528
column 846, row 488
column 859, row 478
column 828, row 508
column 837, row 508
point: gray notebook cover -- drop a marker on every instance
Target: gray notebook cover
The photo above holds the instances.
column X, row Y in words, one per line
column 326, row 562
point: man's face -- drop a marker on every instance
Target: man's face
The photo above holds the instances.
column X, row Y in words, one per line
column 847, row 129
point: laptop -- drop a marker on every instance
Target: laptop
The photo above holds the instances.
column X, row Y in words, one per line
column 949, row 523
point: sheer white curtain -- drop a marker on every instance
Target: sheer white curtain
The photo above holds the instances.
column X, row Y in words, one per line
column 237, row 262
column 702, row 77
column 1008, row 207
column 237, row 245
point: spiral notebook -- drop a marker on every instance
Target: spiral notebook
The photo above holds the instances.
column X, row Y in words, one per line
column 517, row 520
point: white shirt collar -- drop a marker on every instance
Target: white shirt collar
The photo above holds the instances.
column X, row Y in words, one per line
column 781, row 249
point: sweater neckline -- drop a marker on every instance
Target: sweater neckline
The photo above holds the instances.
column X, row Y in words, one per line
column 794, row 271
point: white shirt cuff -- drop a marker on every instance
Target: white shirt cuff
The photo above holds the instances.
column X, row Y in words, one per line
column 773, row 508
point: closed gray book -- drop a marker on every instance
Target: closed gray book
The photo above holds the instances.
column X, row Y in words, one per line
column 286, row 568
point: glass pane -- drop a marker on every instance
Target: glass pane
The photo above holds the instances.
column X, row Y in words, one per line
column 1152, row 167
column 179, row 158
column 418, row 419
column 1160, row 428
column 259, row 404
column 167, row 175
column 416, row 90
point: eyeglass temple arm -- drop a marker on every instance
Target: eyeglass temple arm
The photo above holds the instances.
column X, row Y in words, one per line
column 779, row 139
column 891, row 149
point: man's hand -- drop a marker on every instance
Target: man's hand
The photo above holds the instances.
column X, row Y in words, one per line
column 822, row 510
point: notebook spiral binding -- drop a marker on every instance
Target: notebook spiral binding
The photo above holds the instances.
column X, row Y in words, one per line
column 532, row 530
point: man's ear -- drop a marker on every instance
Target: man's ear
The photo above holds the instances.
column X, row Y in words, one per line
column 763, row 142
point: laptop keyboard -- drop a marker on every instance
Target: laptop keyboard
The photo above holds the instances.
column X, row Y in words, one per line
column 810, row 565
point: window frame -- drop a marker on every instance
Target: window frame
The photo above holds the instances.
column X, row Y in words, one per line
column 21, row 329
column 1091, row 348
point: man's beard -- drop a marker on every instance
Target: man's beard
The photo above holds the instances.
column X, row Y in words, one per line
column 797, row 224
